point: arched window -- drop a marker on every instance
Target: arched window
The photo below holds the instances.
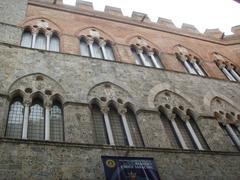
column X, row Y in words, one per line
column 109, row 52
column 56, row 122
column 136, row 56
column 54, row 43
column 99, row 125
column 158, row 60
column 84, row 48
column 36, row 120
column 185, row 133
column 170, row 131
column 198, row 134
column 26, row 39
column 41, row 41
column 97, row 51
column 118, row 131
column 134, row 129
column 147, row 59
column 15, row 118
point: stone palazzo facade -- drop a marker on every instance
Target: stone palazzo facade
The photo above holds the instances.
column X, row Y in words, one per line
column 77, row 84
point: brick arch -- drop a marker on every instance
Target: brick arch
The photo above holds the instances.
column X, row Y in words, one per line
column 86, row 31
column 189, row 51
column 35, row 20
column 143, row 42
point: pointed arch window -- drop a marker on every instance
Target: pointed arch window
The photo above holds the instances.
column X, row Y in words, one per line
column 101, row 135
column 41, row 41
column 15, row 118
column 119, row 134
column 170, row 131
column 136, row 56
column 36, row 120
column 26, row 40
column 84, row 47
column 56, row 121
column 109, row 51
column 54, row 43
column 97, row 51
column 134, row 129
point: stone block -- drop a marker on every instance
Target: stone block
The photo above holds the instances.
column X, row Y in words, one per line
column 85, row 5
column 166, row 22
column 189, row 28
column 215, row 33
column 236, row 30
column 113, row 10
column 142, row 17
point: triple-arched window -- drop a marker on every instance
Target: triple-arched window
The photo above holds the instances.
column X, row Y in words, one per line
column 146, row 58
column 183, row 133
column 34, row 120
column 114, row 128
column 96, row 49
column 40, row 40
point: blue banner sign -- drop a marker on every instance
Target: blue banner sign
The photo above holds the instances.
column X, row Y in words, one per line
column 129, row 168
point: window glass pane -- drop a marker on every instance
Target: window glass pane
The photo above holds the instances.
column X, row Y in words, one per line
column 236, row 130
column 134, row 129
column 170, row 132
column 119, row 134
column 84, row 48
column 15, row 119
column 198, row 134
column 54, row 43
column 36, row 120
column 136, row 57
column 158, row 60
column 97, row 50
column 26, row 39
column 185, row 133
column 99, row 125
column 148, row 60
column 109, row 52
column 41, row 41
column 56, row 122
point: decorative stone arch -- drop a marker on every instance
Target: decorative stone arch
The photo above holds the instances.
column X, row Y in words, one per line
column 42, row 22
column 224, row 111
column 37, row 83
column 94, row 33
column 110, row 91
column 183, row 50
column 140, row 42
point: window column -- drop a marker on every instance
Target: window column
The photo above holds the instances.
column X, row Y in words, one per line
column 47, row 107
column 125, row 124
column 187, row 65
column 108, row 125
column 156, row 64
column 233, row 135
column 90, row 44
column 193, row 134
column 140, row 52
column 34, row 35
column 226, row 72
column 49, row 35
column 234, row 73
column 27, row 103
column 177, row 131
column 196, row 66
column 102, row 45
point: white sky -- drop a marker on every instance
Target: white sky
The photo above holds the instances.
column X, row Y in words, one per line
column 204, row 14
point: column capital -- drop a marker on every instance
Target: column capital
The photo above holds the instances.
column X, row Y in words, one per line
column 122, row 110
column 150, row 53
column 221, row 65
column 27, row 101
column 182, row 57
column 35, row 30
column 49, row 33
column 139, row 51
column 229, row 66
column 90, row 40
column 192, row 60
column 102, row 43
column 104, row 109
column 47, row 103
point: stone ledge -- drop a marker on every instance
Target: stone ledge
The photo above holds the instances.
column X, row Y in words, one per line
column 95, row 146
